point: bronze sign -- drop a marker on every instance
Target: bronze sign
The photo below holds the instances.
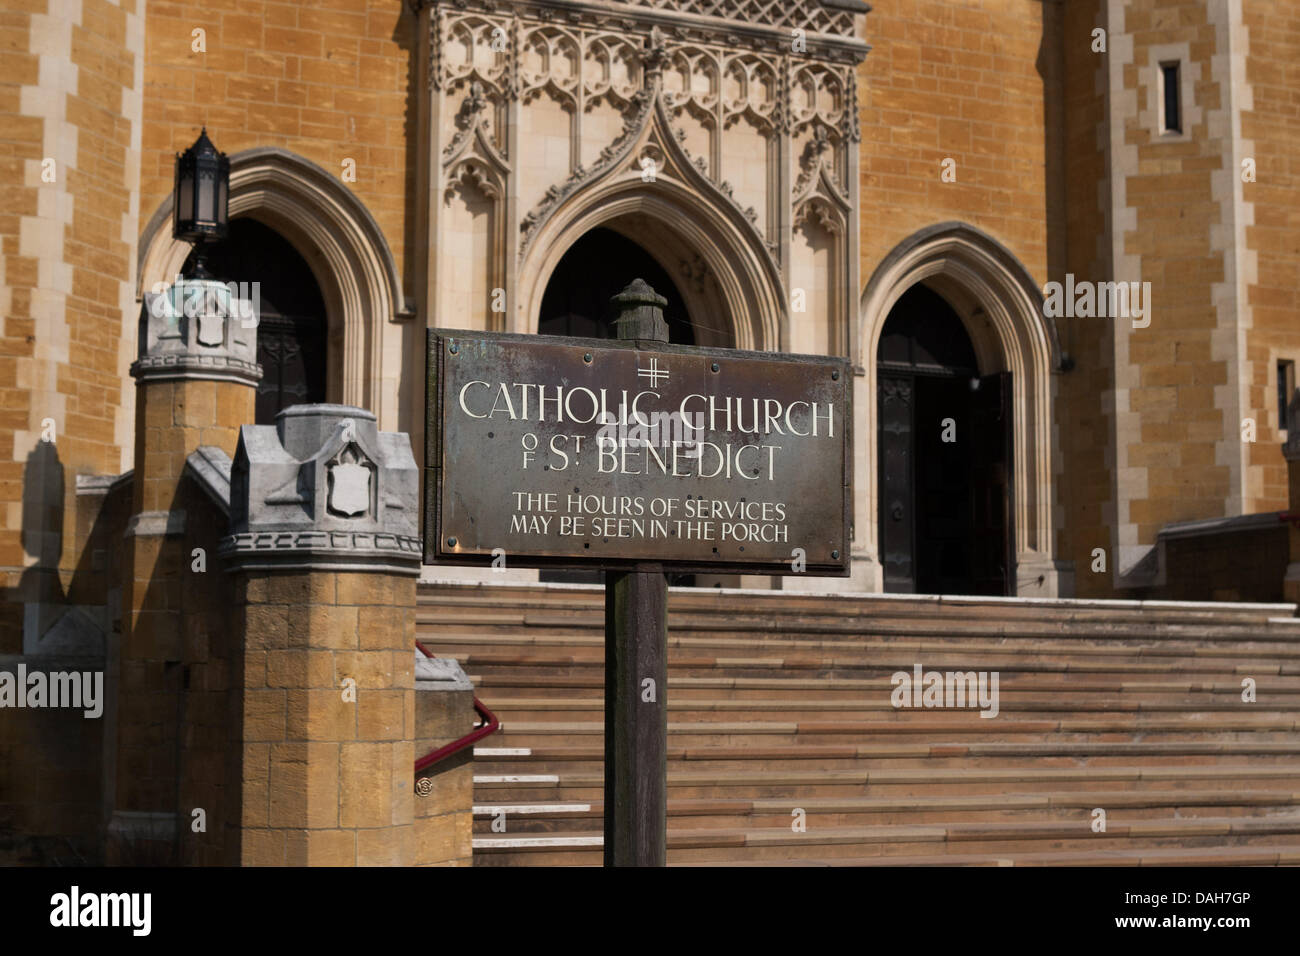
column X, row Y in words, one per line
column 545, row 451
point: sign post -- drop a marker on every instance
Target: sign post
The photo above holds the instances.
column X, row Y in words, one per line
column 635, row 456
column 636, row 666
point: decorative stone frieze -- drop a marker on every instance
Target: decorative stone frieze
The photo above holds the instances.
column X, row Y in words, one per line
column 721, row 133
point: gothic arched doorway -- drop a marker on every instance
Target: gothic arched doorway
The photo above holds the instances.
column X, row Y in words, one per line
column 944, row 456
column 291, row 329
column 592, row 271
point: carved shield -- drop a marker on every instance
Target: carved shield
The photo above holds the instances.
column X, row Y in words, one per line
column 350, row 489
column 211, row 329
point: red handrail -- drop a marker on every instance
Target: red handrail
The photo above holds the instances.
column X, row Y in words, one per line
column 490, row 724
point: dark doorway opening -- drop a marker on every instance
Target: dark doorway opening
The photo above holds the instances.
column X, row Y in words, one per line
column 595, row 269
column 577, row 303
column 291, row 328
column 944, row 449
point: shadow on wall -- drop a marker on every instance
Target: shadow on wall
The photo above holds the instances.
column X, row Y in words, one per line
column 35, row 605
column 50, row 756
column 42, row 616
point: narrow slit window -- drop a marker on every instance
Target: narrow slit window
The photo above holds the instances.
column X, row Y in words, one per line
column 1285, row 389
column 1172, row 107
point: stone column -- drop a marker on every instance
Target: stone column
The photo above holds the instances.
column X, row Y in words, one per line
column 325, row 552
column 1291, row 452
column 196, row 379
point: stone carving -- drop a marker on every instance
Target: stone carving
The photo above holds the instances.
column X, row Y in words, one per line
column 817, row 194
column 324, row 488
column 834, row 19
column 752, row 89
column 817, row 95
column 810, row 164
column 611, row 71
column 550, row 61
column 212, row 330
column 711, row 94
column 609, row 157
column 556, row 49
column 197, row 329
column 469, row 118
column 472, row 157
column 818, row 210
column 804, row 14
column 349, row 476
column 474, row 174
column 690, row 83
column 472, row 48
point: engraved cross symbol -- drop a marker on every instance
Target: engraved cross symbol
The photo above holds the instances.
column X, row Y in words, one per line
column 654, row 372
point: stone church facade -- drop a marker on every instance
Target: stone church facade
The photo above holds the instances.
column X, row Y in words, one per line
column 797, row 171
column 944, row 193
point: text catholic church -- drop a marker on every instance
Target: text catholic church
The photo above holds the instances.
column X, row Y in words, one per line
column 1054, row 242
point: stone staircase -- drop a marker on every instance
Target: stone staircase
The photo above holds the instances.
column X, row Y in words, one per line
column 779, row 712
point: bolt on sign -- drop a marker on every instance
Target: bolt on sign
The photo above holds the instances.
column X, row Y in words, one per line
column 566, row 452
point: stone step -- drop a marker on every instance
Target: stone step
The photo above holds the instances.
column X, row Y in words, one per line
column 780, row 700
column 571, row 708
column 869, row 653
column 929, row 722
column 811, row 634
column 555, row 598
column 1083, row 778
column 777, row 844
column 732, row 688
column 802, row 753
column 1110, row 856
column 563, row 818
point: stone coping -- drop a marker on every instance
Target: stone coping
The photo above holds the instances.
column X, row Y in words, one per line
column 210, row 467
column 102, row 484
column 1207, row 526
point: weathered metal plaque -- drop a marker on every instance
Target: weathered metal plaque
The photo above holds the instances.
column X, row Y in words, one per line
column 546, row 451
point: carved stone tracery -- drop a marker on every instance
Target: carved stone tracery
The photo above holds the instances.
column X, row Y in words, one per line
column 708, row 95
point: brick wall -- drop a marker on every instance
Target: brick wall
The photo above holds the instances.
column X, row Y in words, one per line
column 1175, row 224
column 69, row 157
column 1271, row 133
column 953, row 80
column 1084, row 416
column 330, row 81
column 326, row 781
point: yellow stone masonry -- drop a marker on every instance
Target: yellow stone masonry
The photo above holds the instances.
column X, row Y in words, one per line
column 328, row 780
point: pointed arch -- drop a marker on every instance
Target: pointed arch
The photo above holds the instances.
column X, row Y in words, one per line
column 701, row 216
column 344, row 246
column 1002, row 310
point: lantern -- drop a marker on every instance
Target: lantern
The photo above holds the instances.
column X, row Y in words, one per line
column 200, row 198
